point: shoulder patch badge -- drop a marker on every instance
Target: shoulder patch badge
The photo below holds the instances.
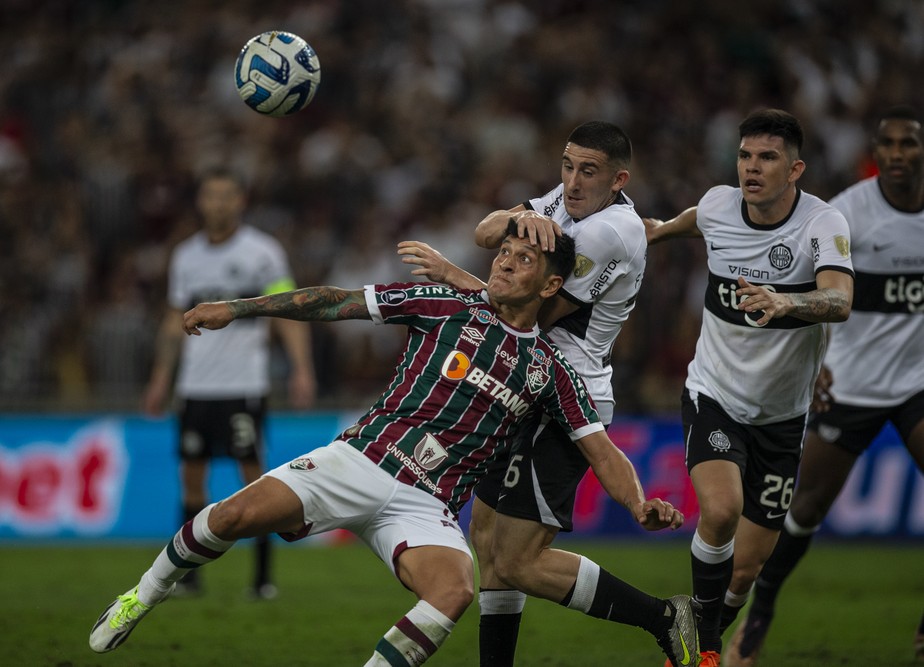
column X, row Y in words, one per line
column 582, row 266
column 842, row 243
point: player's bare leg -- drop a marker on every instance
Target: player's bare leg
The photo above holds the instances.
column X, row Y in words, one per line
column 822, row 472
column 721, row 501
column 263, row 588
column 524, row 560
column 500, row 606
column 267, row 506
column 443, row 579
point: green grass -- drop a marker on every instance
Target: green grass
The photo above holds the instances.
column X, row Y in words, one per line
column 848, row 604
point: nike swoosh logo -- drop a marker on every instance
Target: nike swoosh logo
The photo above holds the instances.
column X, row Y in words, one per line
column 775, row 515
column 877, row 247
column 713, row 246
column 685, row 660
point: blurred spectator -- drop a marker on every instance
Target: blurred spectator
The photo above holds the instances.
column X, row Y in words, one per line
column 109, row 110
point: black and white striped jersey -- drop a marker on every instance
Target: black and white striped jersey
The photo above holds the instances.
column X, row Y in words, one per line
column 762, row 375
column 877, row 355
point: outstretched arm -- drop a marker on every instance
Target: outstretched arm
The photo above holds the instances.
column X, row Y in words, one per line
column 618, row 477
column 321, row 304
column 683, row 225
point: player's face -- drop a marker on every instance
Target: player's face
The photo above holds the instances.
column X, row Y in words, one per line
column 221, row 202
column 591, row 183
column 899, row 152
column 517, row 273
column 766, row 171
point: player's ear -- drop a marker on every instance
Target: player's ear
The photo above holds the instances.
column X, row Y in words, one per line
column 619, row 180
column 552, row 284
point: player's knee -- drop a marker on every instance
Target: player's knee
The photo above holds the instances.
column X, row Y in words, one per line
column 454, row 598
column 512, row 568
column 229, row 519
column 809, row 510
column 720, row 518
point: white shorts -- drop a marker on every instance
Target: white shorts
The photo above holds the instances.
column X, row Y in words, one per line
column 340, row 488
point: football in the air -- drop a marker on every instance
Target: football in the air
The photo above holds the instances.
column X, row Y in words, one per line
column 277, row 73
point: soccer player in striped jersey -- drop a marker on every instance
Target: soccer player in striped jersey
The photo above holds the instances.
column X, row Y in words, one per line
column 528, row 497
column 474, row 363
column 221, row 385
column 875, row 360
column 779, row 268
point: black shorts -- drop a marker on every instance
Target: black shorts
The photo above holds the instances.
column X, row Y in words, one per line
column 222, row 428
column 767, row 455
column 538, row 479
column 853, row 428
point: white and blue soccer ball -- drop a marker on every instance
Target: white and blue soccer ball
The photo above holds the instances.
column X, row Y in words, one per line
column 277, row 73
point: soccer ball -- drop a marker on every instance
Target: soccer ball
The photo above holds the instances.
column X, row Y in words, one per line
column 277, row 73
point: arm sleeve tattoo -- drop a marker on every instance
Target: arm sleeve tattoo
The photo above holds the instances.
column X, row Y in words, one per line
column 821, row 305
column 319, row 304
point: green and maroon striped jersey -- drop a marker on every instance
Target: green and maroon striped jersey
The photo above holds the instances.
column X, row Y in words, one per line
column 463, row 383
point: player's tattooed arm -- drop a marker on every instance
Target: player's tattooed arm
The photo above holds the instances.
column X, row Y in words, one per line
column 319, row 304
column 829, row 302
column 821, row 305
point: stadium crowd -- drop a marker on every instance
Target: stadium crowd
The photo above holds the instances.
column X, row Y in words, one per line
column 430, row 114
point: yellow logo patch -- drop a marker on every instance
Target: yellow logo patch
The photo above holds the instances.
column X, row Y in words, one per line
column 582, row 266
column 842, row 243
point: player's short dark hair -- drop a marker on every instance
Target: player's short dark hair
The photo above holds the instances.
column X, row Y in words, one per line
column 223, row 173
column 605, row 137
column 559, row 262
column 776, row 123
column 900, row 112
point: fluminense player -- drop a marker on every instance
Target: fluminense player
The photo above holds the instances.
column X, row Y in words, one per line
column 779, row 267
column 474, row 364
column 875, row 360
column 528, row 497
column 221, row 384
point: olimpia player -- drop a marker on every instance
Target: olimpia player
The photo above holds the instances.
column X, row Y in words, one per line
column 779, row 267
column 875, row 360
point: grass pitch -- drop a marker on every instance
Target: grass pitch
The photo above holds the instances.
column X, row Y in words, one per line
column 848, row 604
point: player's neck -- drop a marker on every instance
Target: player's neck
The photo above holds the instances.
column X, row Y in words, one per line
column 518, row 316
column 908, row 199
column 773, row 212
column 217, row 234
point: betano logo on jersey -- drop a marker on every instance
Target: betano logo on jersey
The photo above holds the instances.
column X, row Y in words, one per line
column 458, row 366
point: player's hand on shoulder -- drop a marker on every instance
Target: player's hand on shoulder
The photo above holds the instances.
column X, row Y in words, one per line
column 214, row 315
column 540, row 229
column 657, row 514
column 429, row 262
